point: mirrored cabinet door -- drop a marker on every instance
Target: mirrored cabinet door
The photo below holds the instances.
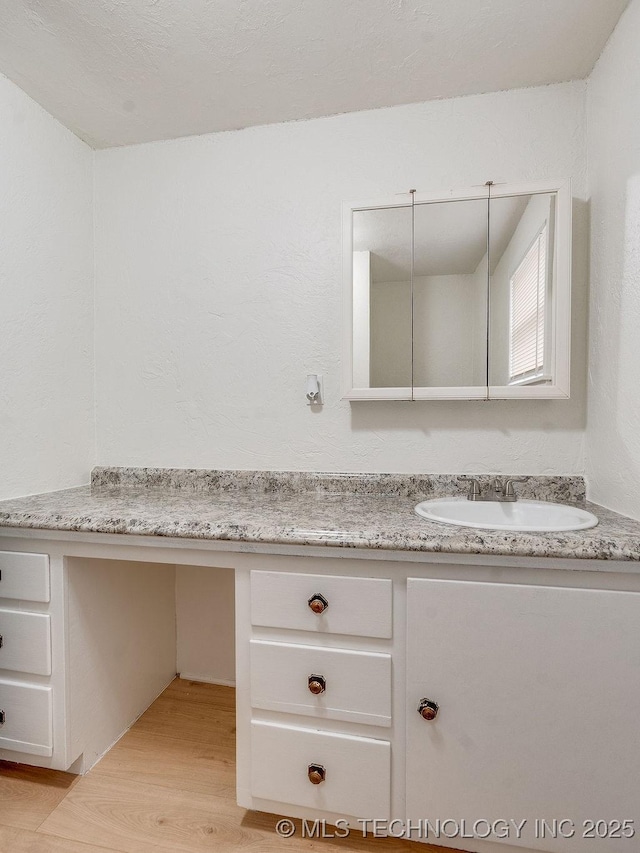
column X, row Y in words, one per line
column 381, row 301
column 530, row 292
column 521, row 289
column 450, row 299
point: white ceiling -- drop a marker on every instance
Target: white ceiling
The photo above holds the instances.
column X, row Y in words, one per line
column 126, row 71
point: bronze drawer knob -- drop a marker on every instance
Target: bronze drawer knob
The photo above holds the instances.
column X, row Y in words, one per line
column 317, row 684
column 318, row 603
column 317, row 774
column 428, row 710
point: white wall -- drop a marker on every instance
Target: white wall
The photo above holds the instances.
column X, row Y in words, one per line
column 218, row 288
column 46, row 300
column 446, row 351
column 614, row 366
column 205, row 608
column 445, row 315
column 390, row 339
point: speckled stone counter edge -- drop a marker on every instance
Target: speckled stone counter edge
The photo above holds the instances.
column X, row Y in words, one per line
column 562, row 489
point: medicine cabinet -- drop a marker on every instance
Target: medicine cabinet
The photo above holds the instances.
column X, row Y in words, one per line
column 459, row 295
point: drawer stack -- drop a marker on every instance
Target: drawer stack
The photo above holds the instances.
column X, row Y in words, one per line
column 25, row 651
column 327, row 677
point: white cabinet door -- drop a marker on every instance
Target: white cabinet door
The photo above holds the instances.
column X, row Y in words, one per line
column 539, row 700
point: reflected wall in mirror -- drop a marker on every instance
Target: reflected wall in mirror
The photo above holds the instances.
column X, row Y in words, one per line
column 382, row 298
column 450, row 294
column 463, row 295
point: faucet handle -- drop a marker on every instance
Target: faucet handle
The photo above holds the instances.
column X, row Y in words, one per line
column 474, row 487
column 509, row 491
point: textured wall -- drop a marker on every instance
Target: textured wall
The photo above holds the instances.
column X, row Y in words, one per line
column 614, row 367
column 218, row 288
column 46, row 305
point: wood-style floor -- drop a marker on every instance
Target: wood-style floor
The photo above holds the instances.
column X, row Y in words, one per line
column 167, row 785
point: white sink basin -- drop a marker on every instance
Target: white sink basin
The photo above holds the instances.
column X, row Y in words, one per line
column 519, row 515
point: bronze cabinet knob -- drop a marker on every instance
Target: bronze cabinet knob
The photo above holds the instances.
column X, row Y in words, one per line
column 317, row 773
column 318, row 603
column 428, row 710
column 317, row 684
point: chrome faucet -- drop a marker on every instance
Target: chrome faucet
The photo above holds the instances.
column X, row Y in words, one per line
column 498, row 490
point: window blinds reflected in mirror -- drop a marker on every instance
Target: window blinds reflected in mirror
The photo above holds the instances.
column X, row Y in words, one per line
column 526, row 314
column 521, row 281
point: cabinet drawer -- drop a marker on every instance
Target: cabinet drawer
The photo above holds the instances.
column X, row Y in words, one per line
column 27, row 714
column 24, row 576
column 357, row 780
column 357, row 685
column 360, row 607
column 25, row 642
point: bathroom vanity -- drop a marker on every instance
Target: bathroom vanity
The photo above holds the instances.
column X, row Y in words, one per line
column 388, row 668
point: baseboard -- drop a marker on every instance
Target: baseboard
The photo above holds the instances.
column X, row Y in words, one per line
column 205, row 679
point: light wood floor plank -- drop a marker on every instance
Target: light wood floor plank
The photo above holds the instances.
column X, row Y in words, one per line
column 29, row 794
column 24, row 841
column 195, row 721
column 142, row 819
column 216, row 695
column 354, row 843
column 170, row 762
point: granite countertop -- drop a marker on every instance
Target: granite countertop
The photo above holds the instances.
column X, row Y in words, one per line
column 335, row 510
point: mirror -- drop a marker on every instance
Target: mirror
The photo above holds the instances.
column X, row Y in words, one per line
column 450, row 294
column 459, row 297
column 382, row 298
column 520, row 289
